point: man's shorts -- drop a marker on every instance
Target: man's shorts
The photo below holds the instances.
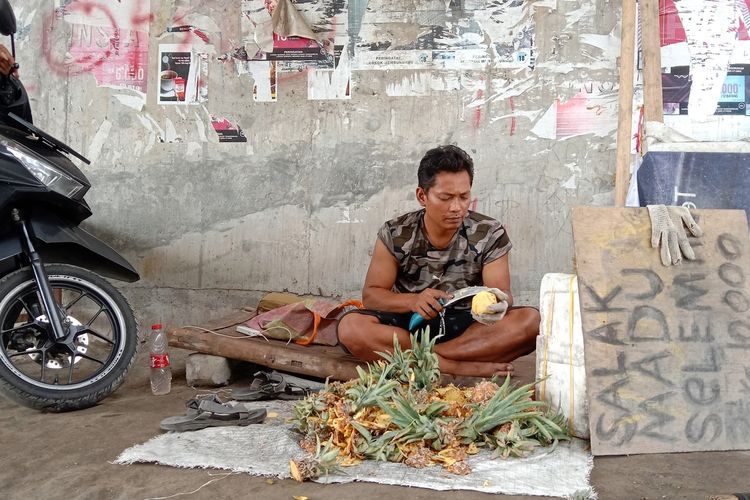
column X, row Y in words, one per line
column 456, row 321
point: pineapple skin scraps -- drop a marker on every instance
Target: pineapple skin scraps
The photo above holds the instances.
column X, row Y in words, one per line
column 394, row 411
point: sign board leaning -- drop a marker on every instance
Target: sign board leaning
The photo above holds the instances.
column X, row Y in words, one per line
column 665, row 347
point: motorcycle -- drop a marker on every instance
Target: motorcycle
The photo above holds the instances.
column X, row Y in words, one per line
column 67, row 336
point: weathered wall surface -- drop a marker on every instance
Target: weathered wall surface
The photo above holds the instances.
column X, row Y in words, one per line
column 212, row 225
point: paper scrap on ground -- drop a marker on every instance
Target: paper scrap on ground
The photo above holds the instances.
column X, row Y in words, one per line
column 265, row 449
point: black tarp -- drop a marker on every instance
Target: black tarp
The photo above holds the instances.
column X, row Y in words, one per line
column 707, row 180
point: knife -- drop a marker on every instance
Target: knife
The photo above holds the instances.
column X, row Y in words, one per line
column 458, row 295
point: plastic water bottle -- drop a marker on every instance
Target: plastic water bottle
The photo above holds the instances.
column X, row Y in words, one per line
column 161, row 373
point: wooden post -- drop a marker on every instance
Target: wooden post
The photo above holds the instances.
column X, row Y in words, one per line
column 651, row 39
column 625, row 102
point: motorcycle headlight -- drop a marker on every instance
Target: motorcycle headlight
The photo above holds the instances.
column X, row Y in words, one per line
column 48, row 174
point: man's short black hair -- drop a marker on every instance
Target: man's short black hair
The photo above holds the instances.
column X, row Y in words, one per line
column 447, row 158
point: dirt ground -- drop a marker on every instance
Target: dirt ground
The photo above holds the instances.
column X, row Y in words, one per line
column 69, row 455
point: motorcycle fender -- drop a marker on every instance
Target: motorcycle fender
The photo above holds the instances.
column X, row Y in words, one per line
column 58, row 242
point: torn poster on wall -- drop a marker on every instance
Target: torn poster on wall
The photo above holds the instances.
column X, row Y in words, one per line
column 706, row 36
column 182, row 75
column 422, row 83
column 467, row 36
column 265, row 78
column 106, row 39
column 227, row 130
column 734, row 98
column 269, row 28
column 332, row 83
column 592, row 111
column 294, row 48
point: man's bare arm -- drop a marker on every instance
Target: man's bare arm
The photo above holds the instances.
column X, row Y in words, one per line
column 496, row 274
column 7, row 62
column 378, row 294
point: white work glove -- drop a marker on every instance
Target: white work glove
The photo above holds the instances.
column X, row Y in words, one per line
column 495, row 312
column 668, row 232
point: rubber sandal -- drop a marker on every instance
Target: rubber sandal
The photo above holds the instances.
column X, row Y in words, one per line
column 267, row 386
column 210, row 412
column 264, row 386
column 294, row 391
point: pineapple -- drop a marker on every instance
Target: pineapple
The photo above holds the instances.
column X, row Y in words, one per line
column 424, row 361
column 413, row 421
column 512, row 440
column 308, row 442
column 303, row 470
column 503, row 407
column 483, row 391
column 308, row 411
column 481, row 302
column 382, row 448
column 324, row 461
column 394, row 412
column 369, row 390
column 419, row 457
column 399, row 361
column 418, row 366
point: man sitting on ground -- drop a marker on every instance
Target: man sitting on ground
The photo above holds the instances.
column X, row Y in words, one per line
column 423, row 256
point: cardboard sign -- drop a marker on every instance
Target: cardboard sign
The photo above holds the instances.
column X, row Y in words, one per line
column 666, row 348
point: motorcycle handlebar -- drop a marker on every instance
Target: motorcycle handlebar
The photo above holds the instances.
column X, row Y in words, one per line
column 13, row 97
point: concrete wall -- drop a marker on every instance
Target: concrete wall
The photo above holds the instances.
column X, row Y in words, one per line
column 211, row 226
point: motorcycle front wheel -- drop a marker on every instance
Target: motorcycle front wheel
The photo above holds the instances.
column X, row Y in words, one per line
column 75, row 372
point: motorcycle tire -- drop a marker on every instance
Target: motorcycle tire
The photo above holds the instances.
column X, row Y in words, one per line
column 26, row 349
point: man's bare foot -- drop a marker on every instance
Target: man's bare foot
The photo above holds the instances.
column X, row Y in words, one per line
column 474, row 368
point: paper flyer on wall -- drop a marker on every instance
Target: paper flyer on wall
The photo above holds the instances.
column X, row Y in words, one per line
column 182, row 75
column 296, row 48
column 227, row 130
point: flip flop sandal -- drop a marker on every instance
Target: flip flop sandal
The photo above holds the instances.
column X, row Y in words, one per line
column 264, row 386
column 210, row 412
column 275, row 388
column 294, row 391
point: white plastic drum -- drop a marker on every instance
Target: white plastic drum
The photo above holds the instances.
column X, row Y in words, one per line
column 559, row 352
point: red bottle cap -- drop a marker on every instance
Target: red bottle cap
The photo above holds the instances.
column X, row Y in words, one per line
column 156, row 326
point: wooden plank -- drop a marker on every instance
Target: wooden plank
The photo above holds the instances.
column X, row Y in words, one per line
column 666, row 348
column 313, row 360
column 625, row 102
column 651, row 40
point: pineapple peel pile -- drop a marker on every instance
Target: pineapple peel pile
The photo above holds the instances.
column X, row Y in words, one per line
column 395, row 412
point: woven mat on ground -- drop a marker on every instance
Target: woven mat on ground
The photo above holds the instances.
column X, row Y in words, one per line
column 265, row 450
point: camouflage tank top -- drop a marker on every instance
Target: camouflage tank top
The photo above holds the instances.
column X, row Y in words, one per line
column 479, row 241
